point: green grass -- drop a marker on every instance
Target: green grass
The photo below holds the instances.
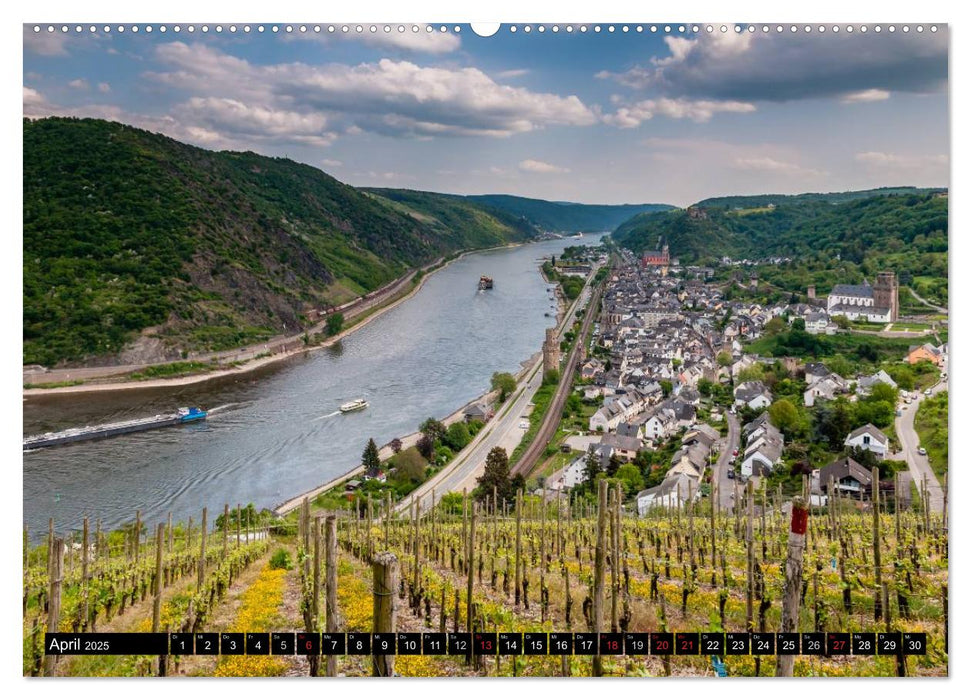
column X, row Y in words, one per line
column 54, row 385
column 173, row 369
column 931, row 426
column 541, row 401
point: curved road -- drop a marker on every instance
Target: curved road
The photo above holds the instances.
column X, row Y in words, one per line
column 920, row 468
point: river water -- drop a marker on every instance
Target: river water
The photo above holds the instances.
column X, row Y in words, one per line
column 276, row 432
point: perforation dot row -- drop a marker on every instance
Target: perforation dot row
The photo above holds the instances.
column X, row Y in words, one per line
column 414, row 28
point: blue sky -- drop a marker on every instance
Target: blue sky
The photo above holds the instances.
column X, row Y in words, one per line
column 590, row 117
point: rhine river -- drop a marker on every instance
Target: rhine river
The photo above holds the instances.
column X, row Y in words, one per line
column 276, row 432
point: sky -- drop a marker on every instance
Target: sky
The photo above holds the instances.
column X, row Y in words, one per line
column 596, row 117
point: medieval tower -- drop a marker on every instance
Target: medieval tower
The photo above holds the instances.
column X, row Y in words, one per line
column 885, row 293
column 551, row 352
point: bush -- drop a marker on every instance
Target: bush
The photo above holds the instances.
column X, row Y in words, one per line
column 281, row 559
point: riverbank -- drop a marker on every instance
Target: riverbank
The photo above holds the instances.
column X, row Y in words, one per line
column 267, row 360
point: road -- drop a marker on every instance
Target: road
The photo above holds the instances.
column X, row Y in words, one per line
column 502, row 431
column 920, row 468
column 924, row 301
column 724, row 463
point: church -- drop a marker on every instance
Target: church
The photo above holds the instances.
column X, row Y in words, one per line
column 877, row 303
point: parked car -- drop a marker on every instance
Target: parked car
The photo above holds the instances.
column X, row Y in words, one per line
column 927, row 392
column 731, row 473
column 524, row 425
column 899, row 413
column 921, row 451
column 735, row 453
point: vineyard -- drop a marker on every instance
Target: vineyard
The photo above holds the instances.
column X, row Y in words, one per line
column 527, row 565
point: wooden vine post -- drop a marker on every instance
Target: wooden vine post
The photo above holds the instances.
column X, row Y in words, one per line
column 330, row 546
column 84, row 575
column 793, row 582
column 598, row 573
column 54, row 599
column 385, row 579
column 202, row 554
column 157, row 602
column 875, row 503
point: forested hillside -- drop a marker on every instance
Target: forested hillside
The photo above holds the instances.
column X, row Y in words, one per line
column 566, row 217
column 130, row 234
column 829, row 242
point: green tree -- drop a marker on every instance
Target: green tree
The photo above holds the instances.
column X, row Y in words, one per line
column 724, row 358
column 433, row 429
column 495, row 475
column 504, row 383
column 457, row 436
column 370, row 459
column 705, row 387
column 592, row 467
column 666, row 387
column 335, row 323
column 785, row 416
column 410, row 464
column 630, row 476
column 774, row 325
column 752, row 373
column 799, row 324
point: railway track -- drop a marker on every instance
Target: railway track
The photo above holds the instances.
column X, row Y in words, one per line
column 551, row 420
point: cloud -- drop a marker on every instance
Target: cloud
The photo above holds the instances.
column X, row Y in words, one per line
column 779, row 67
column 44, row 43
column 633, row 115
column 79, row 84
column 420, row 41
column 512, row 73
column 871, row 95
column 104, row 87
column 255, row 123
column 771, row 165
column 538, row 166
column 397, row 98
column 894, row 161
column 331, row 163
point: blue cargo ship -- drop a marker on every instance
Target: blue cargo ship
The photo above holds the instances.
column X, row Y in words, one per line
column 183, row 415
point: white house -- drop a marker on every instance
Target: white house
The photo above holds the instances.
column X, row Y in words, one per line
column 569, row 476
column 673, row 492
column 869, row 437
column 752, row 394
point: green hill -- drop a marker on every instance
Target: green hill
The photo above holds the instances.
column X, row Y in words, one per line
column 831, row 238
column 132, row 236
column 762, row 200
column 566, row 217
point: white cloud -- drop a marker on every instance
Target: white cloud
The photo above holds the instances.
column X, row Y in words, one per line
column 895, row 161
column 779, row 67
column 104, row 87
column 513, row 73
column 44, row 43
column 79, row 84
column 538, row 166
column 255, row 122
column 771, row 165
column 331, row 163
column 389, row 97
column 871, row 95
column 421, row 41
column 633, row 115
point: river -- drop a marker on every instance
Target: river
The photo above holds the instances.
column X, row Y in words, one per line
column 276, row 432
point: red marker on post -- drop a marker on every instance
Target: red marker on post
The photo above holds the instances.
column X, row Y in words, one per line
column 793, row 584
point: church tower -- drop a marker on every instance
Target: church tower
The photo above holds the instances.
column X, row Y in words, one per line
column 885, row 293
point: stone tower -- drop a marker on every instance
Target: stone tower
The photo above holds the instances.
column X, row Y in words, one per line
column 885, row 293
column 551, row 352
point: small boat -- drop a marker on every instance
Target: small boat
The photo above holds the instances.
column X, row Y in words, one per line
column 355, row 405
column 485, row 282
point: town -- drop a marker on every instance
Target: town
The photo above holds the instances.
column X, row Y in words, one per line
column 681, row 401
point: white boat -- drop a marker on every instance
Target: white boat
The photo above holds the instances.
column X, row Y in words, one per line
column 355, row 405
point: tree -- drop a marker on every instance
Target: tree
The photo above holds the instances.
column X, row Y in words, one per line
column 457, row 436
column 426, row 447
column 774, row 325
column 705, row 387
column 630, row 476
column 370, row 459
column 504, row 383
column 666, row 387
column 396, row 445
column 752, row 373
column 433, row 429
column 592, row 467
column 410, row 465
column 784, row 416
column 724, row 359
column 335, row 323
column 841, row 321
column 613, row 464
column 495, row 475
column 799, row 324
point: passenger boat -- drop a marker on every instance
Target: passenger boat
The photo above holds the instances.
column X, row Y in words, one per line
column 355, row 405
column 485, row 282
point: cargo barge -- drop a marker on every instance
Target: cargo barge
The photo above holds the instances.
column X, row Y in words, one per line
column 98, row 432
